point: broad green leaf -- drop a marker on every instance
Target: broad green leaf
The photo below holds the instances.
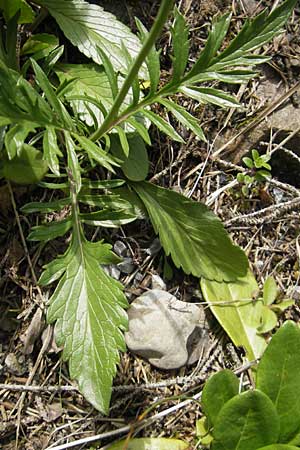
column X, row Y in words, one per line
column 136, row 165
column 87, row 306
column 89, row 27
column 203, row 432
column 278, row 376
column 246, row 422
column 28, row 167
column 50, row 230
column 283, row 305
column 137, row 207
column 11, row 7
column 152, row 60
column 180, row 41
column 279, row 447
column 234, row 306
column 162, row 125
column 150, row 444
column 46, row 207
column 268, row 320
column 40, row 45
column 270, row 291
column 95, row 152
column 51, row 150
column 193, row 236
column 219, row 388
column 185, row 118
column 15, row 138
column 211, row 95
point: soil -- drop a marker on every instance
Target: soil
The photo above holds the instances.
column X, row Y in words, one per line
column 265, row 224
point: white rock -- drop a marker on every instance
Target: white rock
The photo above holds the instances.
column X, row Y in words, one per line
column 159, row 327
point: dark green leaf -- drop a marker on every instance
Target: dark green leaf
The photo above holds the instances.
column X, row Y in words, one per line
column 152, row 60
column 162, row 125
column 15, row 138
column 110, row 73
column 28, row 167
column 46, row 207
column 180, row 35
column 50, row 230
column 40, row 45
column 219, row 388
column 73, row 163
column 136, row 165
column 123, row 141
column 192, row 234
column 279, row 447
column 246, row 422
column 141, row 129
column 278, row 376
column 185, row 118
column 95, row 152
column 10, row 8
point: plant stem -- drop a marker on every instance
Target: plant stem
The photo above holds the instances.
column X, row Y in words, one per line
column 155, row 31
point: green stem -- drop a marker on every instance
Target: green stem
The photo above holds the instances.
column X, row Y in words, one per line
column 155, row 31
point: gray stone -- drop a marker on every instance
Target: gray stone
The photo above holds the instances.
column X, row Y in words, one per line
column 157, row 282
column 159, row 328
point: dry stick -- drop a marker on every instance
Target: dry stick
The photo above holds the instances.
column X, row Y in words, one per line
column 266, row 214
column 262, row 115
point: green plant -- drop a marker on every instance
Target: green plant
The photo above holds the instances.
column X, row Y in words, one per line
column 258, row 171
column 264, row 418
column 244, row 313
column 88, row 125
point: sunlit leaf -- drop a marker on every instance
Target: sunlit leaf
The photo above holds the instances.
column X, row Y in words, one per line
column 191, row 234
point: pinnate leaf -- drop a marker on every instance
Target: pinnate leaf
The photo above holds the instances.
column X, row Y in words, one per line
column 87, row 306
column 191, row 234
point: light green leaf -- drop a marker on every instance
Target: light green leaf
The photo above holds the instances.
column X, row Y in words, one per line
column 185, row 118
column 268, row 320
column 278, row 376
column 51, row 150
column 50, row 230
column 180, row 41
column 237, row 311
column 10, row 8
column 91, row 82
column 15, row 138
column 28, row 167
column 162, row 125
column 89, row 27
column 141, row 129
column 211, row 95
column 108, row 219
column 225, row 76
column 123, row 142
column 136, row 165
column 283, row 305
column 150, row 444
column 246, row 422
column 87, row 306
column 270, row 291
column 40, row 45
column 191, row 234
column 219, row 388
